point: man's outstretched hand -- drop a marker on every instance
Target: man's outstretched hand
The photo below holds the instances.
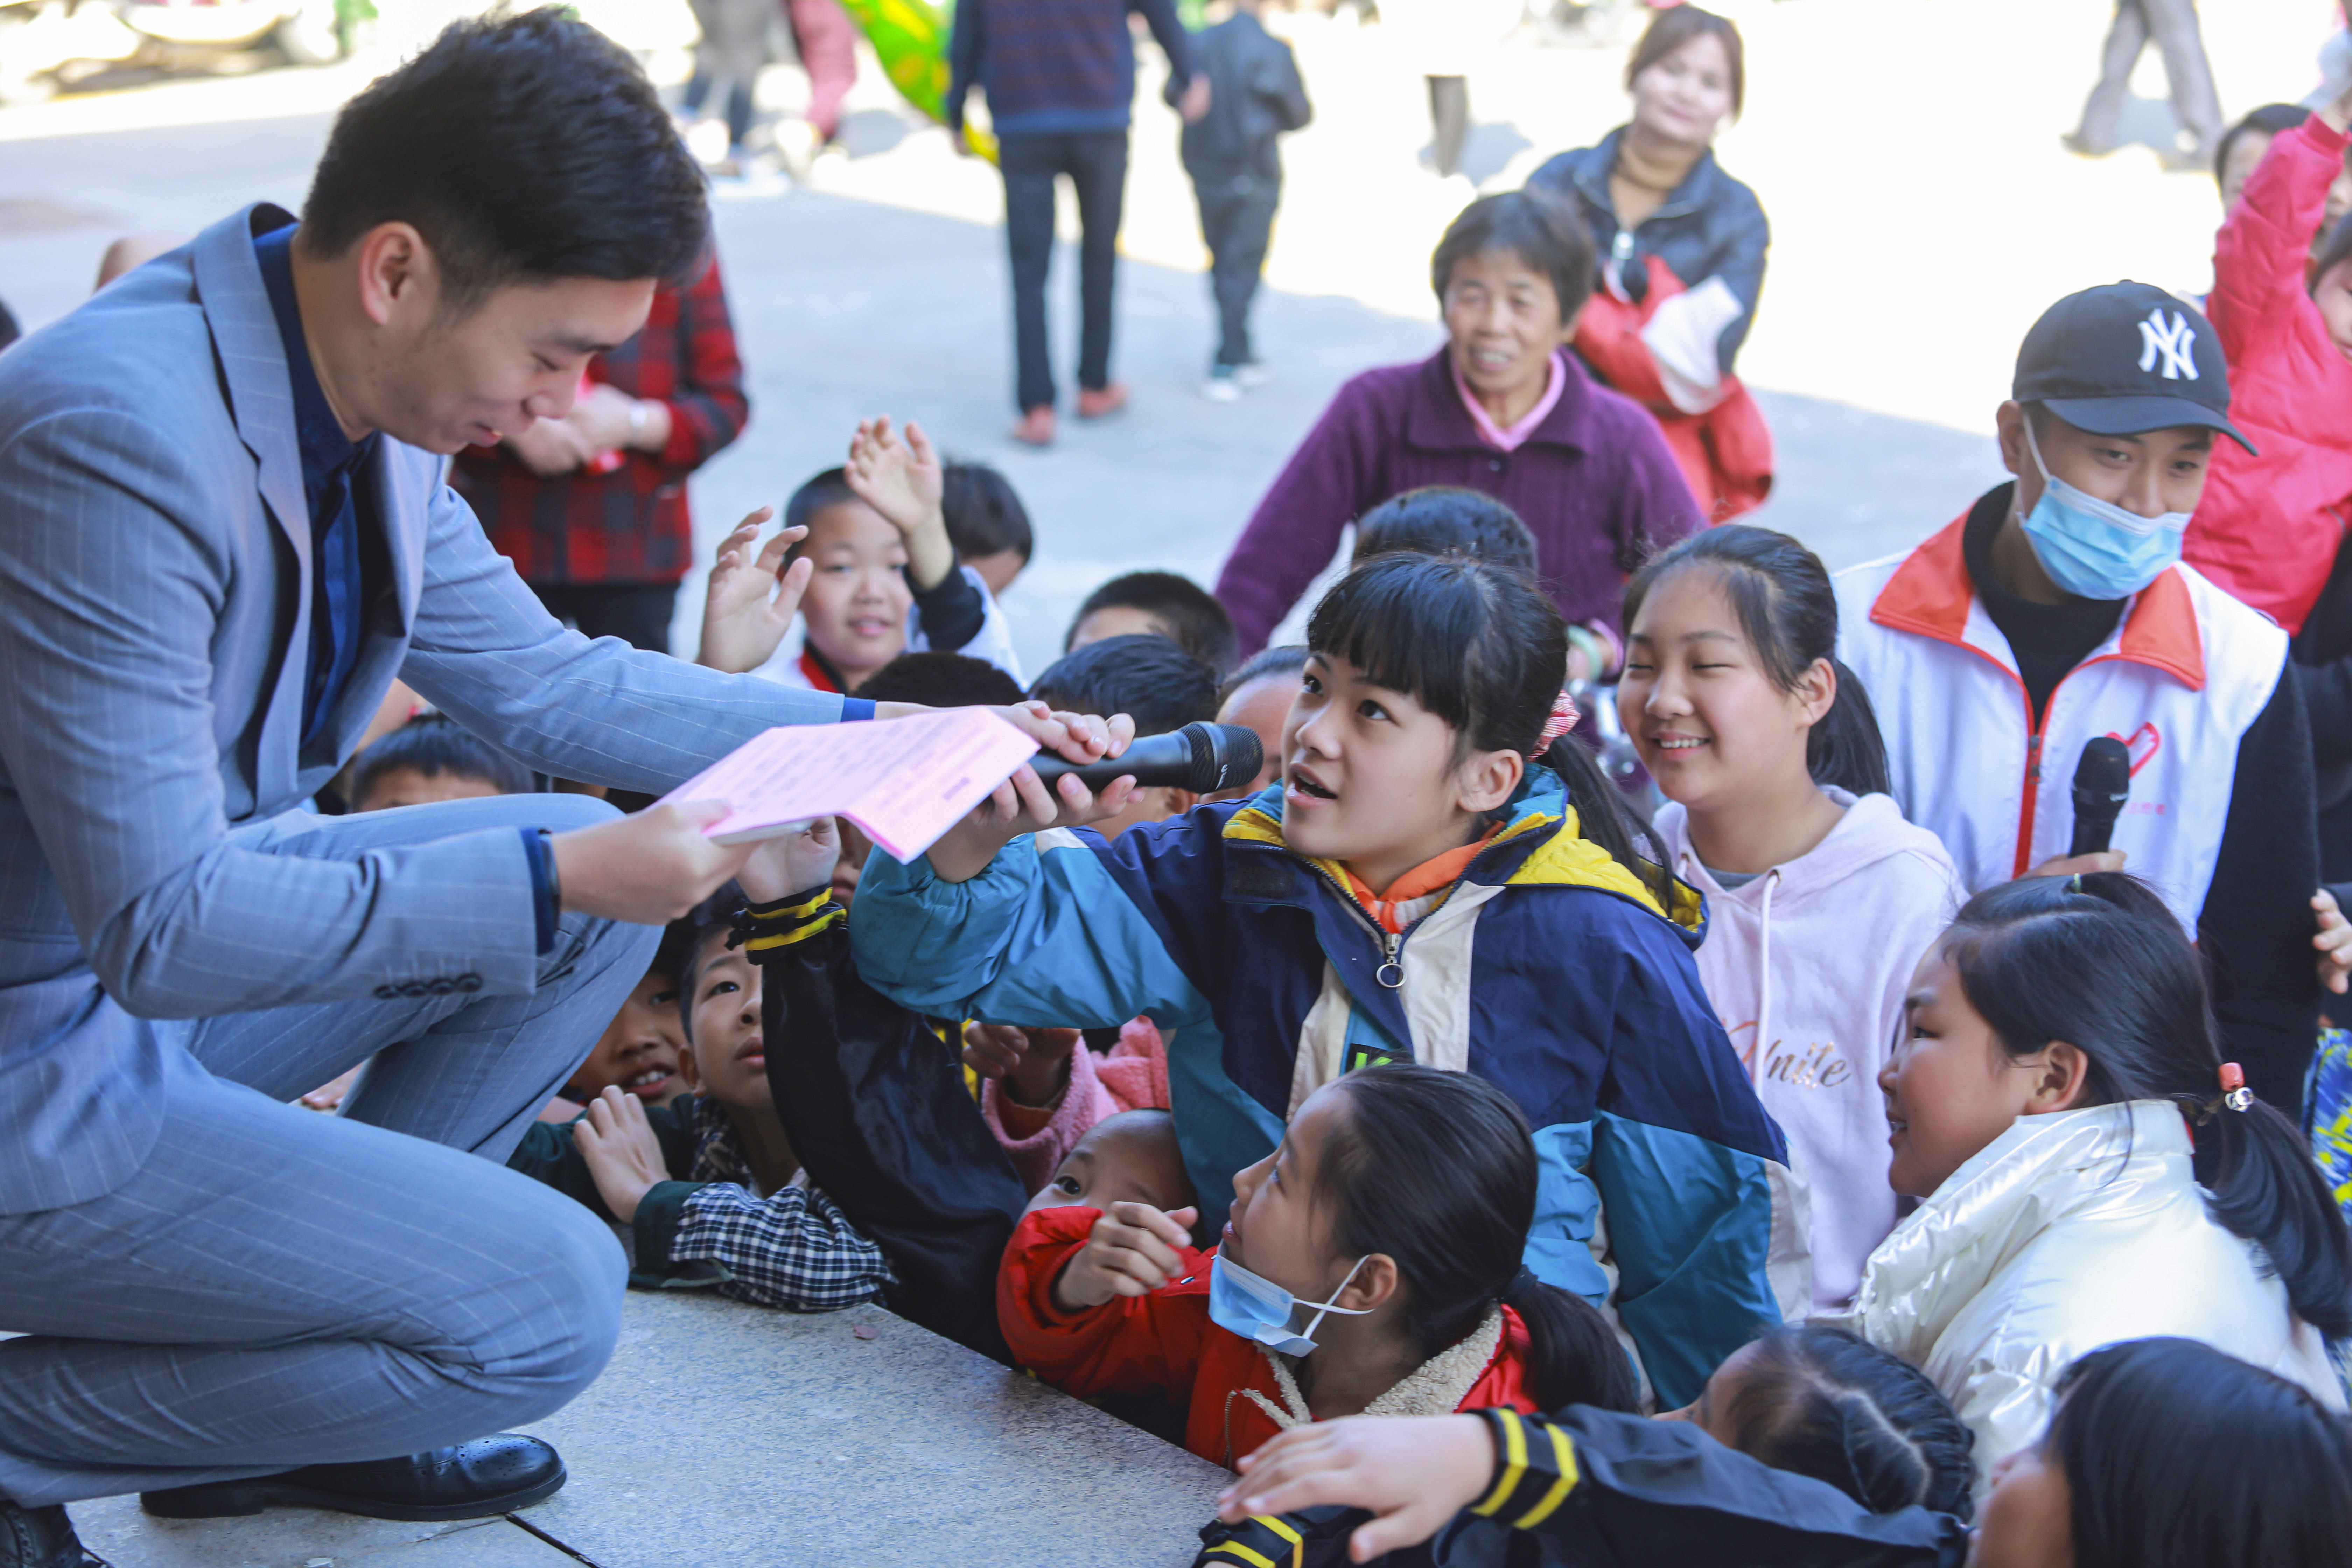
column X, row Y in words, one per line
column 649, row 868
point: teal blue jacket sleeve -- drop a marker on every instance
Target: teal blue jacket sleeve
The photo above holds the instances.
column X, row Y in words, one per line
column 1042, row 937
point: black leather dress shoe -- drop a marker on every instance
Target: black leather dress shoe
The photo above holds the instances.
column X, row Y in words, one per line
column 41, row 1538
column 473, row 1480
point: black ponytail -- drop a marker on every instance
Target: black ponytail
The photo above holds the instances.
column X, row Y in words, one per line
column 1818, row 1401
column 1438, row 1170
column 1479, row 645
column 2098, row 961
column 1787, row 611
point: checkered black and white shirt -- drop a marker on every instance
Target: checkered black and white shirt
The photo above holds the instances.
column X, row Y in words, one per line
column 792, row 1248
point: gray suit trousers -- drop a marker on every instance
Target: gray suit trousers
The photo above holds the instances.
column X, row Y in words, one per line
column 274, row 1287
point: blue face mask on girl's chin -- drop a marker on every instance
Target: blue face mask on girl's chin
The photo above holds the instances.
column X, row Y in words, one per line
column 1258, row 1309
column 2093, row 548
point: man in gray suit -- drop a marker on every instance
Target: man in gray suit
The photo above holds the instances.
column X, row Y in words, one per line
column 224, row 533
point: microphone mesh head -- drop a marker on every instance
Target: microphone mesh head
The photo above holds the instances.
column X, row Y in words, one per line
column 1224, row 755
column 2106, row 767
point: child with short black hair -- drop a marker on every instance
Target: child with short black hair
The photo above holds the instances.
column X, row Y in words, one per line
column 1162, row 604
column 431, row 759
column 1442, row 520
column 987, row 523
column 882, row 574
column 1132, row 1157
column 642, row 1052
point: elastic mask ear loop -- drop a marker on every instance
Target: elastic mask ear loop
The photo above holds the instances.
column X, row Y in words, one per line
column 1308, row 1332
column 2017, row 502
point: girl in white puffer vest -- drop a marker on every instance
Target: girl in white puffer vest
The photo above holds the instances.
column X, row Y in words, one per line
column 2091, row 1171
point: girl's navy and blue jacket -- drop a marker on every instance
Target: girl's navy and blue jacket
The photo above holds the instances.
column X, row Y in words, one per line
column 1546, row 969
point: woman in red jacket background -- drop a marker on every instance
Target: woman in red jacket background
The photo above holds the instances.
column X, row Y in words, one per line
column 1383, row 1236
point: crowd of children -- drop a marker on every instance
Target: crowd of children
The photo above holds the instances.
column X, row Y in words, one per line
column 1399, row 1128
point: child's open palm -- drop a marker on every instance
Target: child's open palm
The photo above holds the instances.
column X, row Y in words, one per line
column 749, row 602
column 623, row 1156
column 900, row 475
column 1134, row 1250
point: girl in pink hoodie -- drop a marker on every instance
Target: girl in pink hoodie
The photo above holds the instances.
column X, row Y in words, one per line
column 1819, row 897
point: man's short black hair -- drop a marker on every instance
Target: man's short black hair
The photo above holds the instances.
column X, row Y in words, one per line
column 1287, row 662
column 1195, row 621
column 1160, row 685
column 430, row 745
column 939, row 679
column 984, row 516
column 522, row 149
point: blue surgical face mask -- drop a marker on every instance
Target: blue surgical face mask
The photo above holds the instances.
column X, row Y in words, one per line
column 1257, row 1308
column 2094, row 548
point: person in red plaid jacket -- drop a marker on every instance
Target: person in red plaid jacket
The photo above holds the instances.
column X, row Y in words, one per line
column 592, row 507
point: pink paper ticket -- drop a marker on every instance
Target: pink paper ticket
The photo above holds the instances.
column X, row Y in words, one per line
column 903, row 781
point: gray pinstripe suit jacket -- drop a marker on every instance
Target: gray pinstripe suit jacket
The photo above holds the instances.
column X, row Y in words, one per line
column 154, row 623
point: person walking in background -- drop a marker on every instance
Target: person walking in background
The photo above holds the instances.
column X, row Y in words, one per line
column 592, row 507
column 1254, row 95
column 2173, row 25
column 1683, row 246
column 826, row 40
column 1059, row 77
column 727, row 61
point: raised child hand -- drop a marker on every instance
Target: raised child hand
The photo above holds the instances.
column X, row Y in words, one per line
column 1134, row 1250
column 749, row 604
column 902, row 478
column 621, row 1151
column 1414, row 1472
column 2334, row 942
column 791, row 862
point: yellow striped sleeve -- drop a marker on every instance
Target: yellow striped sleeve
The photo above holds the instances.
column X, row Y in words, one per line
column 787, row 925
column 1240, row 1553
column 1513, row 1434
column 1563, row 1454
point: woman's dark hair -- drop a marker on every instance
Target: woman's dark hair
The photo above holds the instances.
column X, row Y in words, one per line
column 1264, row 665
column 1821, row 1401
column 524, row 149
column 1788, row 612
column 1670, row 30
column 1542, row 230
column 985, row 517
column 1457, row 1240
column 1443, row 520
column 1481, row 646
column 1144, row 675
column 2107, row 970
column 2269, row 119
column 433, row 744
column 1196, row 622
column 2177, row 1455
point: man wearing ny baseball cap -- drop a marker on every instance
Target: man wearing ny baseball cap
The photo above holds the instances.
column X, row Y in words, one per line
column 2057, row 609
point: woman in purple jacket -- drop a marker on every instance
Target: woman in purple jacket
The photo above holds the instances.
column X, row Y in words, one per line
column 1504, row 408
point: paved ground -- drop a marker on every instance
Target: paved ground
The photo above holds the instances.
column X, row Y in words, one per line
column 731, row 1437
column 1907, row 150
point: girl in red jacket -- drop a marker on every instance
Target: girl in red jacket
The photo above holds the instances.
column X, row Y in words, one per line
column 2268, row 526
column 1372, row 1265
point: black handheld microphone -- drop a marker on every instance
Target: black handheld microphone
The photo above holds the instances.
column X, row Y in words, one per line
column 2102, row 785
column 1203, row 758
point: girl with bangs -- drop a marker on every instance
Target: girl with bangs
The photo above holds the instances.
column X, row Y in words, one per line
column 1438, row 876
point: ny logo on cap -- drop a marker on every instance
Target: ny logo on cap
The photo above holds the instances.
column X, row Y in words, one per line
column 2175, row 343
